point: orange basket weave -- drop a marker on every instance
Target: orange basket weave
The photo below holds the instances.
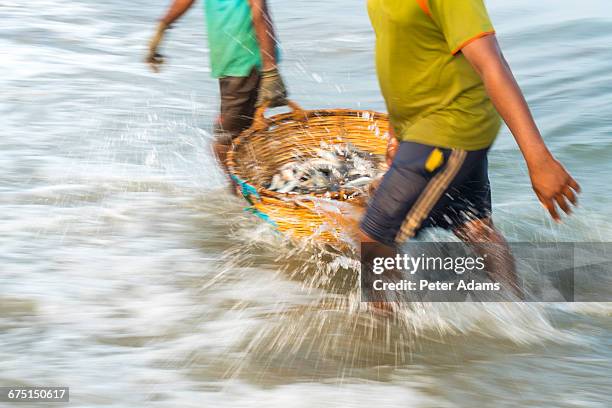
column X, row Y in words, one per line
column 260, row 151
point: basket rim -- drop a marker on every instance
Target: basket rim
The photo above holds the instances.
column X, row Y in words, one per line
column 302, row 115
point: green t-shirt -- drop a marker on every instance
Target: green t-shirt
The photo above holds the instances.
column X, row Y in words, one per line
column 432, row 93
column 234, row 50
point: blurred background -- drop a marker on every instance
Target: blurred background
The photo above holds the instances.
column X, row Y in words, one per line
column 129, row 274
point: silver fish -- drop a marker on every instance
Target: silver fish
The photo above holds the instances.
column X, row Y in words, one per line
column 289, row 187
column 288, row 174
column 276, row 183
column 326, row 155
column 360, row 182
column 331, row 168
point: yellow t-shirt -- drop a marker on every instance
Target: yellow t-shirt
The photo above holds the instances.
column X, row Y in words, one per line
column 432, row 93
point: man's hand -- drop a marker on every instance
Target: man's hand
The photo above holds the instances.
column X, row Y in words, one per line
column 392, row 147
column 553, row 185
column 154, row 59
column 176, row 10
column 272, row 89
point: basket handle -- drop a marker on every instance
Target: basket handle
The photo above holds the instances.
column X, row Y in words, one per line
column 259, row 118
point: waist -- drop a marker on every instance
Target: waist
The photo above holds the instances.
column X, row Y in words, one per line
column 470, row 127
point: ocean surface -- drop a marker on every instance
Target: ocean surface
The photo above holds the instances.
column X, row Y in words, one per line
column 129, row 274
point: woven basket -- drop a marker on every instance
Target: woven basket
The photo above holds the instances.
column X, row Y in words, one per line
column 271, row 142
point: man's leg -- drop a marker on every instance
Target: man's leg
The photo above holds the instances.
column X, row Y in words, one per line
column 466, row 209
column 399, row 205
column 490, row 244
column 238, row 98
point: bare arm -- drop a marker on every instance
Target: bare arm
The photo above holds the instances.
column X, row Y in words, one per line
column 264, row 30
column 272, row 91
column 551, row 182
column 176, row 10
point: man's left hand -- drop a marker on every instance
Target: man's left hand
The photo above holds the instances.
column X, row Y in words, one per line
column 554, row 186
column 272, row 89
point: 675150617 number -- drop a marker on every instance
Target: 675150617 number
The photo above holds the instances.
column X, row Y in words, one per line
column 34, row 394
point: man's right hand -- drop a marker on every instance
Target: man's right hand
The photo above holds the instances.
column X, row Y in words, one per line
column 272, row 89
column 392, row 146
column 154, row 59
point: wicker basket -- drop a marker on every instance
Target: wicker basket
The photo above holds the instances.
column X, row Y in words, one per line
column 271, row 142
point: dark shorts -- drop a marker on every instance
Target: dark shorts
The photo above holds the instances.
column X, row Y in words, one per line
column 238, row 98
column 418, row 192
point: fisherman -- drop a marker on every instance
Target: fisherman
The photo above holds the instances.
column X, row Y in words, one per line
column 243, row 55
column 445, row 80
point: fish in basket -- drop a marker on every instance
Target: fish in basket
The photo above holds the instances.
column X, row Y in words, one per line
column 294, row 166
